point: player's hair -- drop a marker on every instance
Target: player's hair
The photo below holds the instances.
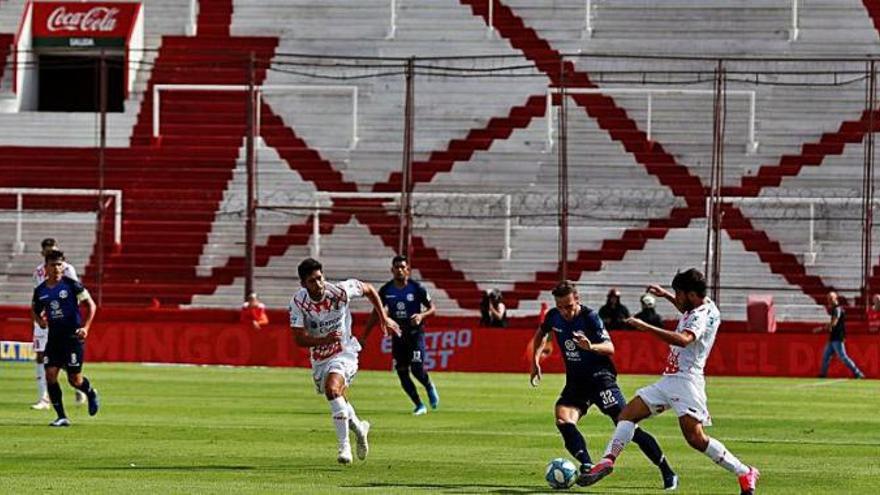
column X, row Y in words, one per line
column 48, row 242
column 564, row 288
column 399, row 258
column 54, row 255
column 691, row 280
column 307, row 267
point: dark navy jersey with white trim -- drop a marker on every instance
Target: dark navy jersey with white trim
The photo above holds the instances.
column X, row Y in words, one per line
column 61, row 304
column 402, row 303
column 580, row 364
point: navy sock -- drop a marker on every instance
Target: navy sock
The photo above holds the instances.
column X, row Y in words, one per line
column 55, row 397
column 651, row 448
column 85, row 387
column 408, row 386
column 418, row 371
column 574, row 442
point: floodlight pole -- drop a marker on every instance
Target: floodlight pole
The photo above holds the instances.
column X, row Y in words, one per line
column 404, row 245
column 868, row 186
column 562, row 174
column 714, row 211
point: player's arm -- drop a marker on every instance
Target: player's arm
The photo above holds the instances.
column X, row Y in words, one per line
column 682, row 339
column 37, row 308
column 665, row 294
column 430, row 309
column 604, row 348
column 368, row 327
column 86, row 301
column 538, row 341
column 386, row 324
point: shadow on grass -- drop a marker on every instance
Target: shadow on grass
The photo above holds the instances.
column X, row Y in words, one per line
column 489, row 488
column 220, row 467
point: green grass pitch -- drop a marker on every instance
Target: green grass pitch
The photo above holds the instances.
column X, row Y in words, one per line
column 167, row 429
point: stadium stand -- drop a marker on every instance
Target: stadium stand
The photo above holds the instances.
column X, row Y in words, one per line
column 638, row 204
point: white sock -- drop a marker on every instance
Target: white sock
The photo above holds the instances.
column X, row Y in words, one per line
column 623, row 434
column 42, row 390
column 721, row 456
column 354, row 423
column 339, row 411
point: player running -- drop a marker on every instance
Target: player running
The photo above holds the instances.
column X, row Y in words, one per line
column 41, row 335
column 682, row 387
column 56, row 305
column 590, row 378
column 320, row 318
column 403, row 299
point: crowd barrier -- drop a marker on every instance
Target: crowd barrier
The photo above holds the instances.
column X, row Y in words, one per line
column 453, row 344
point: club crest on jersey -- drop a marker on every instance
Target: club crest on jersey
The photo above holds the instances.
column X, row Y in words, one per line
column 62, row 294
column 410, row 297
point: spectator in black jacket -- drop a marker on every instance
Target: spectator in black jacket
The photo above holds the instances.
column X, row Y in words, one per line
column 648, row 314
column 613, row 313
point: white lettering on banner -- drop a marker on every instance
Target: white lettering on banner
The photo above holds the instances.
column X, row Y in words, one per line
column 439, row 346
column 95, row 19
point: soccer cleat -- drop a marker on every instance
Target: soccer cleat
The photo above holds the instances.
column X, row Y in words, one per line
column 420, row 410
column 602, row 469
column 60, row 422
column 80, row 398
column 360, row 435
column 41, row 404
column 748, row 481
column 94, row 403
column 433, row 397
column 344, row 456
column 670, row 482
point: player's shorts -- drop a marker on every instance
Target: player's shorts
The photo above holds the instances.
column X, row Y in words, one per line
column 41, row 337
column 345, row 364
column 408, row 349
column 686, row 397
column 67, row 353
column 604, row 394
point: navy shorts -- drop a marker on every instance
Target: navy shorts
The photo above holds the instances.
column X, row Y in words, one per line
column 65, row 353
column 408, row 349
column 605, row 396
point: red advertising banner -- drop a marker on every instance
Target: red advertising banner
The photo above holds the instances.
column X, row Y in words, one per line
column 450, row 348
column 108, row 21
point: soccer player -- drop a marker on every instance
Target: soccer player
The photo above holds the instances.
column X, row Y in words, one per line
column 321, row 320
column 404, row 299
column 682, row 387
column 42, row 334
column 56, row 305
column 590, row 378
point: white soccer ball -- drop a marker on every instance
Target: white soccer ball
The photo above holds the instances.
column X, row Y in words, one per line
column 560, row 474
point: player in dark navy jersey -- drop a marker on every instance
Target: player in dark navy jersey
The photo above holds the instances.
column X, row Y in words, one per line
column 56, row 304
column 404, row 300
column 590, row 377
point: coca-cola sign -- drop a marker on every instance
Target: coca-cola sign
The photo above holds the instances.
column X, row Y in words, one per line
column 95, row 19
column 83, row 20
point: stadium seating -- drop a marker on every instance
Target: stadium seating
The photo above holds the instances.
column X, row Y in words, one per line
column 637, row 203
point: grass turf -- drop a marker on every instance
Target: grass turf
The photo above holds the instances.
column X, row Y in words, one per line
column 245, row 430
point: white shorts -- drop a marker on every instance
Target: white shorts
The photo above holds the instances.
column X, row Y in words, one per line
column 344, row 364
column 41, row 336
column 686, row 397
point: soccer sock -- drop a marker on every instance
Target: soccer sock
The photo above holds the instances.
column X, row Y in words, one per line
column 339, row 411
column 622, row 436
column 354, row 423
column 721, row 456
column 55, row 397
column 574, row 442
column 418, row 371
column 651, row 448
column 42, row 391
column 85, row 387
column 408, row 386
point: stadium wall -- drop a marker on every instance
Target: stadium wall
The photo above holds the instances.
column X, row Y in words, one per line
column 454, row 344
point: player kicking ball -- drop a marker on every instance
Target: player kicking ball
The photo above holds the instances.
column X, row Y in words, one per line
column 56, row 304
column 682, row 387
column 320, row 318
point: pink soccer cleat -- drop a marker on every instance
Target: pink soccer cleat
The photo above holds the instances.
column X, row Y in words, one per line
column 748, row 481
column 602, row 469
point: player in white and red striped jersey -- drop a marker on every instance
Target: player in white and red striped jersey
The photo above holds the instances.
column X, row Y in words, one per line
column 683, row 386
column 41, row 335
column 320, row 317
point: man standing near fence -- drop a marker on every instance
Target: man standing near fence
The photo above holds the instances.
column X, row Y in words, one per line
column 837, row 332
column 41, row 335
